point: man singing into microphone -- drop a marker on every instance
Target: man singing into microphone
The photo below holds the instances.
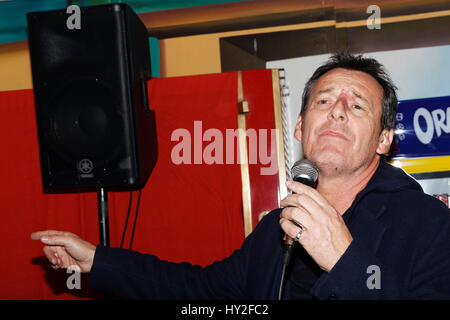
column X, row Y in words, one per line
column 364, row 215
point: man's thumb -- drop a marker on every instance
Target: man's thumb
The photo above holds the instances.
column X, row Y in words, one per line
column 54, row 240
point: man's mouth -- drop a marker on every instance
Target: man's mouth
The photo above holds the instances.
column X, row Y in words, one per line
column 332, row 133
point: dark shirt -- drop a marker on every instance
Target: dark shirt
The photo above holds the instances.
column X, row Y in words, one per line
column 304, row 273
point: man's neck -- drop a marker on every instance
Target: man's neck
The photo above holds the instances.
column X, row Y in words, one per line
column 341, row 190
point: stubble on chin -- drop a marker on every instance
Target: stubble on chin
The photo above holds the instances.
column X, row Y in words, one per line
column 329, row 164
column 330, row 169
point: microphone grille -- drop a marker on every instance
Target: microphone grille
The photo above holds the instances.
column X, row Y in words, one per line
column 305, row 171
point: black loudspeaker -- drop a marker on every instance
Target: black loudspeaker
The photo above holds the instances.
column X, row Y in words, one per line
column 95, row 128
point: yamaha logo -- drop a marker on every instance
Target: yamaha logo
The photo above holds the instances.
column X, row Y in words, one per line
column 85, row 166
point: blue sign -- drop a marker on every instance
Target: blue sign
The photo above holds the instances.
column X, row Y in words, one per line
column 422, row 128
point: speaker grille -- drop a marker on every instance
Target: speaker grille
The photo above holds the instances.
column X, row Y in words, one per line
column 84, row 121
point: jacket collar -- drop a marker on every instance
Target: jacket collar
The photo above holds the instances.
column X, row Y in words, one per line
column 386, row 180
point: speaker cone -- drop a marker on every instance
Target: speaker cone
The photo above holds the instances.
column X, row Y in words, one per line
column 85, row 122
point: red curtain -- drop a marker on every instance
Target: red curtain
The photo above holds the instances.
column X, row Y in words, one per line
column 188, row 212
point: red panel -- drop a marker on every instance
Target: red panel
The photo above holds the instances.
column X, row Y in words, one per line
column 257, row 87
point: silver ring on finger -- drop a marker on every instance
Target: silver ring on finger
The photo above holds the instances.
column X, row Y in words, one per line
column 298, row 235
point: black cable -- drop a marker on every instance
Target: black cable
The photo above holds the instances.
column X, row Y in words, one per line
column 135, row 218
column 126, row 220
column 287, row 254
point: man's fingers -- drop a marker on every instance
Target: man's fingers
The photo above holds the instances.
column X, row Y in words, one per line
column 295, row 200
column 301, row 188
column 289, row 228
column 64, row 258
column 289, row 201
column 52, row 256
column 297, row 216
column 57, row 256
column 301, row 201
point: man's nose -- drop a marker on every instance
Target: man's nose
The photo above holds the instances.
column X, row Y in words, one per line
column 338, row 111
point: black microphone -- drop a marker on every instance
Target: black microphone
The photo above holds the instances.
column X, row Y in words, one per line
column 306, row 172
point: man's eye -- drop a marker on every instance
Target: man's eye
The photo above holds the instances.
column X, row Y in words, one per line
column 357, row 107
column 323, row 101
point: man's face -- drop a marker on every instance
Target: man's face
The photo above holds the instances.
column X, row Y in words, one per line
column 340, row 130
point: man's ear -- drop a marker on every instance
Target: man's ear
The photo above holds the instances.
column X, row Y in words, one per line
column 298, row 129
column 385, row 141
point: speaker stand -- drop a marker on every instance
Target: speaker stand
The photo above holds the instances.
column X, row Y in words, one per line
column 103, row 220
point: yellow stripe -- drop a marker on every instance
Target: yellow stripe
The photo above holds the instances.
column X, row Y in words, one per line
column 423, row 165
column 245, row 173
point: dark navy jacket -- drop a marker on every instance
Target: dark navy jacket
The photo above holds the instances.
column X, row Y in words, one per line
column 395, row 227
